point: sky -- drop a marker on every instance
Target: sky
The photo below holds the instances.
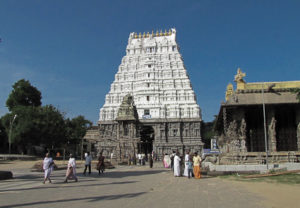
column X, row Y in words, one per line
column 70, row 49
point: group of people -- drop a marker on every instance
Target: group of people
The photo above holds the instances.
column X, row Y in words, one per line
column 192, row 164
column 48, row 166
column 142, row 158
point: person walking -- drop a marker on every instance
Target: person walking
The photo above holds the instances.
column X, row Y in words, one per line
column 186, row 160
column 100, row 164
column 172, row 160
column 167, row 161
column 71, row 170
column 88, row 161
column 177, row 165
column 48, row 165
column 140, row 158
column 150, row 161
column 197, row 163
column 190, row 167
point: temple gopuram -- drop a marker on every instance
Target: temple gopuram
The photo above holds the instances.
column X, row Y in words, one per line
column 151, row 106
column 259, row 119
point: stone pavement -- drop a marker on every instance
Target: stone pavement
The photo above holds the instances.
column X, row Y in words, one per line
column 123, row 187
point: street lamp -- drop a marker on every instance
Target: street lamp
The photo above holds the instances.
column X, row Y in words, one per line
column 10, row 131
column 264, row 114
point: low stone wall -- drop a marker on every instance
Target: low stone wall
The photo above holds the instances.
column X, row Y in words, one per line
column 246, row 168
column 17, row 157
column 259, row 158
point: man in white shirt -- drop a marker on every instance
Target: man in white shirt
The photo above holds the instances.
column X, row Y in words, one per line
column 186, row 166
column 177, row 164
column 140, row 158
column 88, row 161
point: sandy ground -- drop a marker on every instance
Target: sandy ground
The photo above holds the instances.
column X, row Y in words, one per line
column 274, row 195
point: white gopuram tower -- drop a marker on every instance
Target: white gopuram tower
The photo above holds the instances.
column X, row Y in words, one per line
column 151, row 105
column 153, row 72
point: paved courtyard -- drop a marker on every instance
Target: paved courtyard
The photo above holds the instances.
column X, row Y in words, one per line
column 123, row 187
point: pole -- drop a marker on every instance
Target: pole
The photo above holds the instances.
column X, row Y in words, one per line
column 82, row 148
column 10, row 132
column 265, row 127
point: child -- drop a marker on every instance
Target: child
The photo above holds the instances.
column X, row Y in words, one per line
column 190, row 167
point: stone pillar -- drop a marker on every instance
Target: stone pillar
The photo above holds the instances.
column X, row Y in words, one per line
column 298, row 128
column 243, row 130
column 271, row 123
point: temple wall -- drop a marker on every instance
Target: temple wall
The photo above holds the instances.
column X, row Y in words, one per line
column 298, row 127
column 168, row 136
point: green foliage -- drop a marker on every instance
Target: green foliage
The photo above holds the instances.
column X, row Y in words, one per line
column 36, row 124
column 297, row 91
column 291, row 178
column 3, row 137
column 51, row 126
column 77, row 127
column 23, row 94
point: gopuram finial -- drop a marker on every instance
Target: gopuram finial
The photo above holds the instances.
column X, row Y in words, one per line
column 140, row 35
column 157, row 34
column 166, row 33
column 229, row 91
column 239, row 76
column 161, row 33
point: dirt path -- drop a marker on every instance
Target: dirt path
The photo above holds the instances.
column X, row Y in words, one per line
column 275, row 195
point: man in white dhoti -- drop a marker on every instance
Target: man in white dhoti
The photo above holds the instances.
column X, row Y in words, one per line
column 186, row 164
column 177, row 164
column 48, row 165
column 71, row 170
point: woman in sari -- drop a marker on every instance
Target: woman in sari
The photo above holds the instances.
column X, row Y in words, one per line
column 167, row 161
column 197, row 163
column 48, row 165
column 71, row 170
column 100, row 164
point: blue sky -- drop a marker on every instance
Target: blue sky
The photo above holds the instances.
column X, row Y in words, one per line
column 70, row 50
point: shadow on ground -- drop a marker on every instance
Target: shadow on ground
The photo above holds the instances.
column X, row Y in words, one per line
column 70, row 185
column 123, row 174
column 91, row 199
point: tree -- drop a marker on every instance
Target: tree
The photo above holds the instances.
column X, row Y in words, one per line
column 76, row 130
column 23, row 94
column 42, row 125
column 51, row 124
column 37, row 125
column 3, row 137
column 297, row 91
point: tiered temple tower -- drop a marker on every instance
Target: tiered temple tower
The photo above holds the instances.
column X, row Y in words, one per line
column 151, row 105
column 153, row 72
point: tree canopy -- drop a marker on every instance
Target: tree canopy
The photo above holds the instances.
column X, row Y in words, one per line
column 297, row 91
column 3, row 137
column 23, row 94
column 77, row 127
column 37, row 125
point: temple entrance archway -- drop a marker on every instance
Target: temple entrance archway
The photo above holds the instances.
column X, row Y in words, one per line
column 145, row 145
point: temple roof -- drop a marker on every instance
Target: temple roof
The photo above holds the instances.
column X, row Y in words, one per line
column 257, row 93
column 251, row 93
